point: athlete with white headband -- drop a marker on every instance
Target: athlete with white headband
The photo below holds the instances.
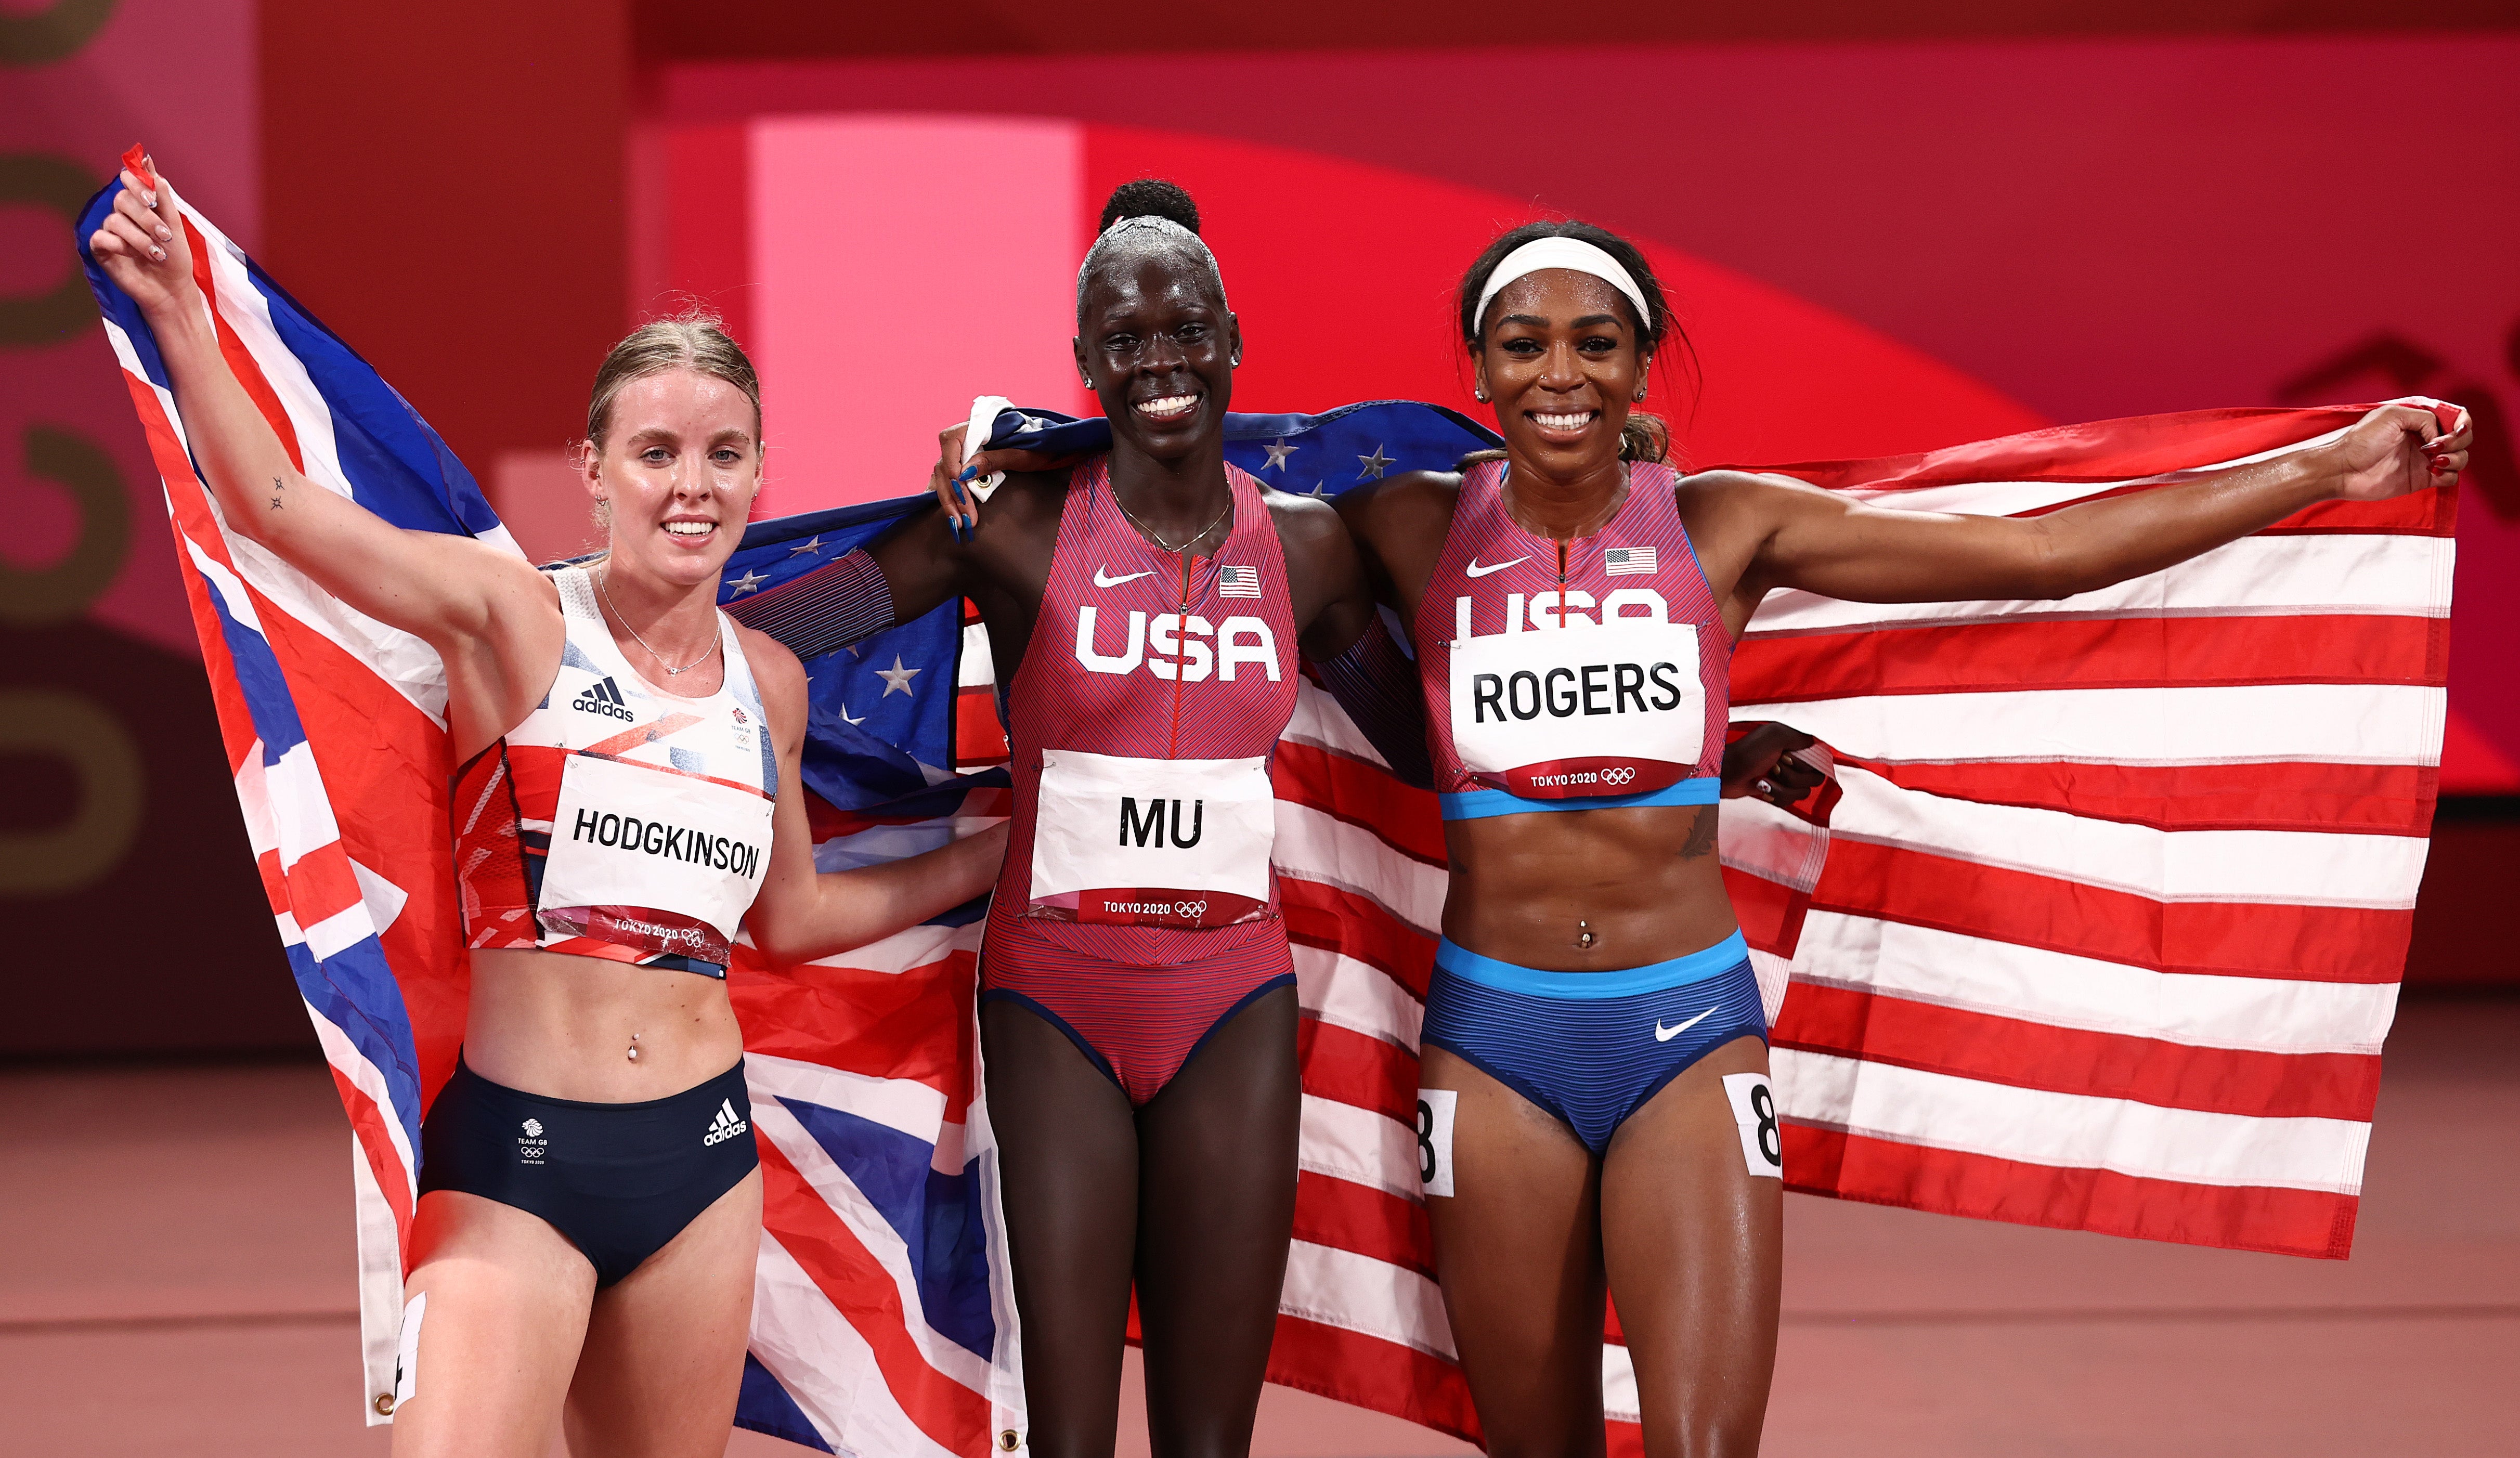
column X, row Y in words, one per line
column 1611, row 1126
column 590, row 1192
column 1604, row 1119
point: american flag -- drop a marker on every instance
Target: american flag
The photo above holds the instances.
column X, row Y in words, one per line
column 1627, row 561
column 1237, row 582
column 883, row 1320
column 2097, row 926
column 2097, row 923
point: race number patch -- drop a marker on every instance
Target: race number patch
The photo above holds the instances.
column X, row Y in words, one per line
column 1754, row 1114
column 1435, row 1139
column 1609, row 710
column 628, row 834
column 1136, row 842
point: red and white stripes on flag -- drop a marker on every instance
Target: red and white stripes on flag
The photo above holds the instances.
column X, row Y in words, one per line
column 2098, row 925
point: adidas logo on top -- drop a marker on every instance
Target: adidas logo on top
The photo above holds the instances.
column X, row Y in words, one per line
column 603, row 698
column 726, row 1126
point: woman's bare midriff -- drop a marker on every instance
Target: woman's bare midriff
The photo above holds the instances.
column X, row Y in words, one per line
column 1525, row 887
column 540, row 1022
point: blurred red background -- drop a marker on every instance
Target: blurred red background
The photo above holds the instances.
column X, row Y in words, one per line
column 1887, row 229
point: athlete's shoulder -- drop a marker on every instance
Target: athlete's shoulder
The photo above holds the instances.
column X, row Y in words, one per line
column 1301, row 517
column 775, row 667
column 1732, row 481
column 1412, row 502
column 1729, row 493
column 1311, row 532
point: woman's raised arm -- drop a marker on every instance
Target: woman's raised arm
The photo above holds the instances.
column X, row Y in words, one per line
column 441, row 587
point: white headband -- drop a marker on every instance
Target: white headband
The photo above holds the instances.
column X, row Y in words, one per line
column 1561, row 252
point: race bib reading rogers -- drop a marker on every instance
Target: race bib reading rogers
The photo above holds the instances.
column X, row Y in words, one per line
column 1152, row 842
column 1552, row 715
column 672, row 858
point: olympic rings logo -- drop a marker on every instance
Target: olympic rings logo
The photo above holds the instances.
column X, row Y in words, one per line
column 1189, row 910
column 1622, row 775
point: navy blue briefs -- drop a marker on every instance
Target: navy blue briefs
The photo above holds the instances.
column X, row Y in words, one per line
column 618, row 1180
column 1591, row 1048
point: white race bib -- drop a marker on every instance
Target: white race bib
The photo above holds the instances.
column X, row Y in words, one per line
column 1617, row 709
column 1136, row 842
column 670, row 860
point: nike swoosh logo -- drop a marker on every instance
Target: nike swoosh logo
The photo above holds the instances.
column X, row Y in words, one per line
column 1101, row 581
column 1666, row 1034
column 1475, row 570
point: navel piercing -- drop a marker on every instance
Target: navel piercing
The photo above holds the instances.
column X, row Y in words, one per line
column 634, row 1050
column 1583, row 935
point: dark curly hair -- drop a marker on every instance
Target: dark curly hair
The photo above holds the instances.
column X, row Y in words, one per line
column 1150, row 197
column 1145, row 211
column 1645, row 436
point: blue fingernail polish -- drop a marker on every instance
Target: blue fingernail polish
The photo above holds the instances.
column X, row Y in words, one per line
column 968, row 473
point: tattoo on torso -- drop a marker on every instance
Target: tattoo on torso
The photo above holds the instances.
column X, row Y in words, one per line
column 1701, row 835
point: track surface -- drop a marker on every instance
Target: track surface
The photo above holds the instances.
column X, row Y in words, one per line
column 175, row 1278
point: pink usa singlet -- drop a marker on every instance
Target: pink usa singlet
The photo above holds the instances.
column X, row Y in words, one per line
column 1587, row 677
column 1137, row 910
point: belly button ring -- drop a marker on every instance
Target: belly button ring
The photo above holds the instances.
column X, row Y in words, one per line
column 634, row 1051
column 1583, row 935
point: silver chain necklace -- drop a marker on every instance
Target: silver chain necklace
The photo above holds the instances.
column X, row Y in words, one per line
column 670, row 670
column 1149, row 532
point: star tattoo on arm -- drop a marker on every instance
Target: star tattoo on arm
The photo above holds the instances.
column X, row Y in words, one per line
column 275, row 493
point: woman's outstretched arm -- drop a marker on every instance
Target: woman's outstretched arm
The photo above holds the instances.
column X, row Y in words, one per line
column 802, row 913
column 1825, row 543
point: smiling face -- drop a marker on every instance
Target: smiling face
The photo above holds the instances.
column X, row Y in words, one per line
column 1158, row 348
column 680, row 466
column 1560, row 359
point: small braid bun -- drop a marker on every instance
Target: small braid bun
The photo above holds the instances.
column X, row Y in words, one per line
column 1150, row 197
